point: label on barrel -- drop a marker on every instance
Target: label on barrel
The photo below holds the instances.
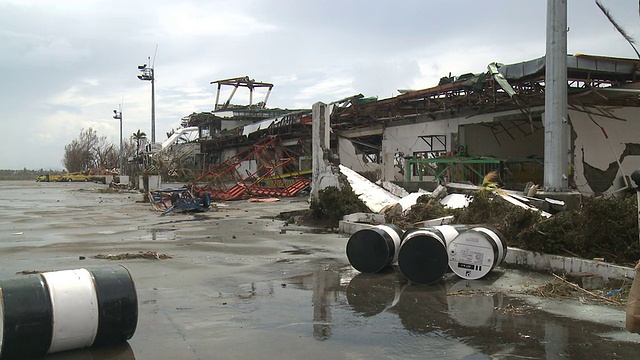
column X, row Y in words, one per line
column 471, row 256
column 469, row 266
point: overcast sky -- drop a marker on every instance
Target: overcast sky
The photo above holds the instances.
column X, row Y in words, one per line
column 65, row 65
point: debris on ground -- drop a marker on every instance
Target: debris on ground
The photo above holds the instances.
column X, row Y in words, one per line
column 179, row 199
column 600, row 228
column 271, row 199
column 151, row 255
column 30, row 272
column 374, row 196
column 394, row 189
column 559, row 288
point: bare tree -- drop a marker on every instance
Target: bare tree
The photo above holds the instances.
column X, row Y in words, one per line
column 79, row 154
column 90, row 151
column 76, row 157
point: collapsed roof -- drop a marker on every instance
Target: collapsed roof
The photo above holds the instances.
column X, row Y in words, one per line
column 592, row 81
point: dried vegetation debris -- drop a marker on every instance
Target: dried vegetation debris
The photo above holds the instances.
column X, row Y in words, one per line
column 333, row 203
column 425, row 208
column 605, row 228
column 152, row 255
column 561, row 288
column 31, row 272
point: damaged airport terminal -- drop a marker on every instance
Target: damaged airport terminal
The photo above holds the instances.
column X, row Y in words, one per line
column 457, row 131
column 231, row 280
column 452, row 134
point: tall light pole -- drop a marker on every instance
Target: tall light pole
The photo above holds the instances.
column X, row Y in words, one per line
column 146, row 74
column 118, row 116
column 556, row 124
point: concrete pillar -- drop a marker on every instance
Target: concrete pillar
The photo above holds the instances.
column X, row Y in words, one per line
column 555, row 104
column 323, row 175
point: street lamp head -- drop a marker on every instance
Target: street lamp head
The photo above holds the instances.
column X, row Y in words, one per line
column 142, row 67
column 147, row 75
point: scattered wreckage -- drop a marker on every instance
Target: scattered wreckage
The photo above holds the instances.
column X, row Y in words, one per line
column 426, row 249
column 273, row 177
column 179, row 199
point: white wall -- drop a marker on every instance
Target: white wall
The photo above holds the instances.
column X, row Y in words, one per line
column 594, row 163
column 249, row 166
column 405, row 139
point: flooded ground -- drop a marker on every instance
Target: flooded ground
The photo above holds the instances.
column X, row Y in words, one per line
column 242, row 285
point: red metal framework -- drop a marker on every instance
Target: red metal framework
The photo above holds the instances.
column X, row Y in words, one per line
column 226, row 181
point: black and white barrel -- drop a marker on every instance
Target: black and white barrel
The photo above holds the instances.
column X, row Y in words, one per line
column 423, row 257
column 64, row 310
column 474, row 253
column 371, row 250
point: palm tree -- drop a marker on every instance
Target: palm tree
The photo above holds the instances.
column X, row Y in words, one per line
column 139, row 136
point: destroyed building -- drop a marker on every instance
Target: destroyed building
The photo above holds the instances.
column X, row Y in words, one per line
column 457, row 131
column 230, row 128
column 474, row 123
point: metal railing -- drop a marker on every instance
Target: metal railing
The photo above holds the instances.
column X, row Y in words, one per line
column 473, row 170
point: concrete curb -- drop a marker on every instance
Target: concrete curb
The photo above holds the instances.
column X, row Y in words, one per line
column 538, row 261
column 545, row 262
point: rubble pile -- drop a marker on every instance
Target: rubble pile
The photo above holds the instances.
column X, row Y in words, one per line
column 605, row 229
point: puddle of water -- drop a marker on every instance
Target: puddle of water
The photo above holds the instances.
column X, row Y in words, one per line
column 159, row 234
column 120, row 351
column 357, row 312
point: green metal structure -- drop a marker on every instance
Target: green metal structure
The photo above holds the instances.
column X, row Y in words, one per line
column 473, row 169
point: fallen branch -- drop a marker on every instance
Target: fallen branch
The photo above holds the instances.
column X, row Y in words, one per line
column 575, row 286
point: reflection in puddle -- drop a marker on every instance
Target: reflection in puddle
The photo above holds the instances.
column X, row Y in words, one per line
column 371, row 294
column 348, row 308
column 120, row 351
column 159, row 234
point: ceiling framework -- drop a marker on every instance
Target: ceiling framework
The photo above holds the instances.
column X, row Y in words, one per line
column 592, row 81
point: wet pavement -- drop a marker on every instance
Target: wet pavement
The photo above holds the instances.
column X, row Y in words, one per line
column 243, row 285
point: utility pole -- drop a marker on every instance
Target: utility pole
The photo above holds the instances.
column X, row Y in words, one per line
column 148, row 75
column 118, row 115
column 556, row 124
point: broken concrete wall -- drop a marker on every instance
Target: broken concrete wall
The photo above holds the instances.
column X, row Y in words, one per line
column 357, row 162
column 596, row 155
column 323, row 174
column 505, row 139
column 511, row 135
column 405, row 141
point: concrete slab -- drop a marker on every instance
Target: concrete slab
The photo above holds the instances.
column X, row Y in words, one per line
column 369, row 218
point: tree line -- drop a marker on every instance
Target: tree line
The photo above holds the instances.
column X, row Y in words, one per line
column 24, row 174
column 93, row 151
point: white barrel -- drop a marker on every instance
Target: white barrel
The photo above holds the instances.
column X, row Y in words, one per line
column 371, row 250
column 75, row 309
column 64, row 310
column 474, row 253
